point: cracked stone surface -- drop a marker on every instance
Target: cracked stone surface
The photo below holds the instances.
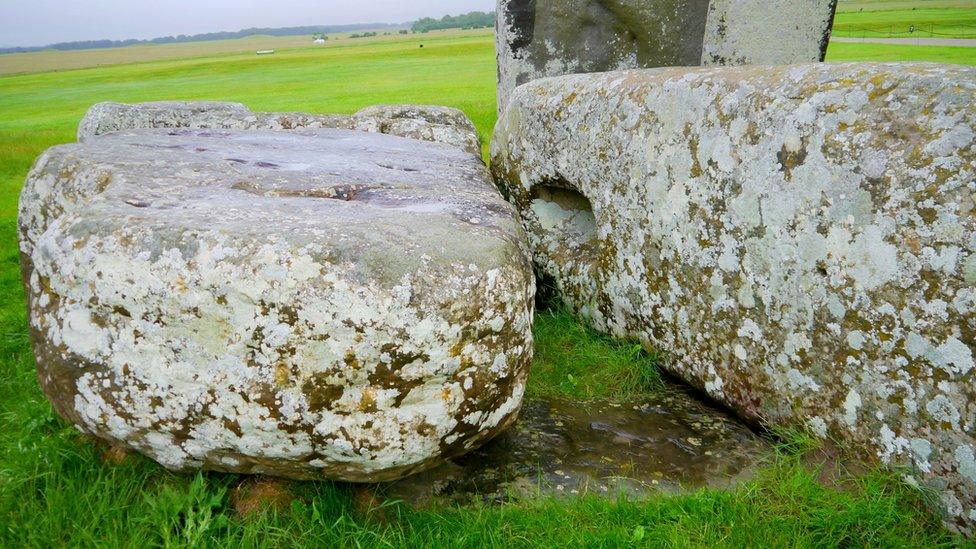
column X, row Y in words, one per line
column 800, row 240
column 423, row 122
column 307, row 304
column 539, row 38
column 670, row 442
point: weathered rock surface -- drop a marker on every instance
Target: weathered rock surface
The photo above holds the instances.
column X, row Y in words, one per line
column 558, row 448
column 305, row 304
column 427, row 123
column 801, row 239
column 539, row 38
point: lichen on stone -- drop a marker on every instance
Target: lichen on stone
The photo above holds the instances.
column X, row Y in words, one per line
column 309, row 304
column 798, row 238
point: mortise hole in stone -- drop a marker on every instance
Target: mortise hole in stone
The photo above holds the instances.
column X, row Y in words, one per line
column 565, row 214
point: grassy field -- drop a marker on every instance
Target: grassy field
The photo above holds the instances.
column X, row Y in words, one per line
column 840, row 52
column 56, row 488
column 893, row 18
column 845, row 6
column 50, row 60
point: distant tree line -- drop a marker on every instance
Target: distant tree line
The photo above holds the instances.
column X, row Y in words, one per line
column 206, row 37
column 473, row 20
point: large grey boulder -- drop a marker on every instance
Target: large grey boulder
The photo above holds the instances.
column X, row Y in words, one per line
column 539, row 38
column 308, row 304
column 424, row 122
column 801, row 240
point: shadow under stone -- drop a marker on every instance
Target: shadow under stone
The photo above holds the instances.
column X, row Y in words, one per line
column 562, row 448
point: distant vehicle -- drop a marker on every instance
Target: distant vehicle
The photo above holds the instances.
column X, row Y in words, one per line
column 265, row 52
column 320, row 40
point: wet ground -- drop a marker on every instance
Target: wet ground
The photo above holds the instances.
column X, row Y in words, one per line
column 557, row 447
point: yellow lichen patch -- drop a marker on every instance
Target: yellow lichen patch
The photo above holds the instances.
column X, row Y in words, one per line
column 351, row 360
column 367, row 403
column 282, row 375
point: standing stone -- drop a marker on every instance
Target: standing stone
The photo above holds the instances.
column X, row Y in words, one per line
column 801, row 241
column 424, row 122
column 539, row 38
column 307, row 304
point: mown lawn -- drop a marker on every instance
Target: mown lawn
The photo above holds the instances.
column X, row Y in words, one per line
column 931, row 18
column 841, row 52
column 56, row 488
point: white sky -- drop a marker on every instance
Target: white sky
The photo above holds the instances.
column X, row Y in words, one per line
column 41, row 22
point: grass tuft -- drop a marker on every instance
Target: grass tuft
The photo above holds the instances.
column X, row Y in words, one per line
column 576, row 362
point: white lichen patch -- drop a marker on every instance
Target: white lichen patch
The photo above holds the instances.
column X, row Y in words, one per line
column 818, row 426
column 804, row 234
column 279, row 303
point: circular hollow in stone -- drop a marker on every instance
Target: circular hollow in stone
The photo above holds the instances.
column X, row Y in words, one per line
column 322, row 304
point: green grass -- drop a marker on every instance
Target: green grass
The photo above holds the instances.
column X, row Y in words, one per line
column 893, row 18
column 888, row 52
column 572, row 361
column 893, row 5
column 55, row 489
column 54, row 60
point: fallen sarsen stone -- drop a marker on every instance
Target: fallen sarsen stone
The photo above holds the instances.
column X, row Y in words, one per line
column 307, row 304
column 801, row 240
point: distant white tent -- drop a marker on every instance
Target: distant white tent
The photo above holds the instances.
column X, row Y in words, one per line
column 265, row 52
column 320, row 40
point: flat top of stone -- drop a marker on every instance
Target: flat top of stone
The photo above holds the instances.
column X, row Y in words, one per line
column 377, row 200
column 189, row 106
column 424, row 122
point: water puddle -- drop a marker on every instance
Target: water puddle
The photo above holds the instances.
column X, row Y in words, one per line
column 564, row 448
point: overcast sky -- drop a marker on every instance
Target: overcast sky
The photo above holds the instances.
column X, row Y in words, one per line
column 41, row 22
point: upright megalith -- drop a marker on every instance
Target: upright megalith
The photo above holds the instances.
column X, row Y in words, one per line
column 308, row 304
column 539, row 38
column 801, row 240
